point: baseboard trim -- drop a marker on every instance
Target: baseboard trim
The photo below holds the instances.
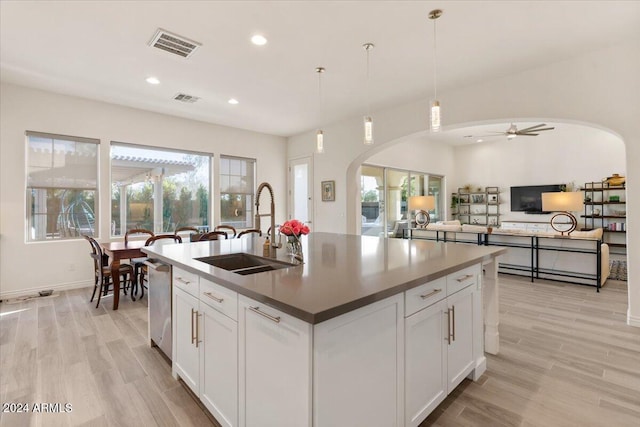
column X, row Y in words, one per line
column 633, row 320
column 34, row 291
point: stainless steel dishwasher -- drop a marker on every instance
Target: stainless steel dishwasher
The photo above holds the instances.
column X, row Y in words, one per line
column 160, row 305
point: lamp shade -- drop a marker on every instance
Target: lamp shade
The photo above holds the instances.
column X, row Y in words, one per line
column 562, row 201
column 424, row 203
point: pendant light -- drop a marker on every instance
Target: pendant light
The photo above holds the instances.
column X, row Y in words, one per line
column 368, row 122
column 435, row 104
column 319, row 132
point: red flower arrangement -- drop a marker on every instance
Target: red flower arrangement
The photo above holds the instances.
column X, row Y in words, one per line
column 294, row 228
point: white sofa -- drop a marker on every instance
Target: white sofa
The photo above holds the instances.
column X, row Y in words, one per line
column 539, row 254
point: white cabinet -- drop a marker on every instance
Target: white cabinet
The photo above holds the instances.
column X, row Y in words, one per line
column 425, row 362
column 460, row 358
column 389, row 363
column 274, row 367
column 442, row 341
column 206, row 344
column 219, row 365
column 186, row 351
column 358, row 366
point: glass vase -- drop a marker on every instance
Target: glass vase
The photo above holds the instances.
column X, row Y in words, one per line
column 294, row 248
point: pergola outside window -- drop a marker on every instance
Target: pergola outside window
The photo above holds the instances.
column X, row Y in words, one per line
column 158, row 189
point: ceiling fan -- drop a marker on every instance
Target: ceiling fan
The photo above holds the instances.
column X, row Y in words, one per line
column 513, row 131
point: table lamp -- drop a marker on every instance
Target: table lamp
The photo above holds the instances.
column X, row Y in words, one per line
column 422, row 204
column 563, row 202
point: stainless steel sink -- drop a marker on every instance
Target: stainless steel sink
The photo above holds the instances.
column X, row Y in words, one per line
column 243, row 263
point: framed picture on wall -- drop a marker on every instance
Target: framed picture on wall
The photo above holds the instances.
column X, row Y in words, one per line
column 328, row 191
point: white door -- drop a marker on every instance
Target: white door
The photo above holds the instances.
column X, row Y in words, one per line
column 460, row 361
column 425, row 362
column 301, row 190
column 186, row 358
column 219, row 366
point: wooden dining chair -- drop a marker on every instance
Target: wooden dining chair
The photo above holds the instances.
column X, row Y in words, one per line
column 137, row 262
column 194, row 233
column 102, row 271
column 250, row 231
column 143, row 271
column 213, row 235
column 135, row 231
column 227, row 227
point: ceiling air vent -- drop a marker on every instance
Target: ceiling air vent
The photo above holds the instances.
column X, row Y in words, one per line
column 183, row 97
column 174, row 43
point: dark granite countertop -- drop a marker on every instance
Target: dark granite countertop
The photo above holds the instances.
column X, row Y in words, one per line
column 341, row 272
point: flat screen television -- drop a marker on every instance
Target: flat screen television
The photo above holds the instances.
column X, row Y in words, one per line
column 529, row 198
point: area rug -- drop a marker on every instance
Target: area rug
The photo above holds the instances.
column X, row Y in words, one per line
column 618, row 270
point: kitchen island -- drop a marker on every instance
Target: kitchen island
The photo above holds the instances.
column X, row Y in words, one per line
column 368, row 331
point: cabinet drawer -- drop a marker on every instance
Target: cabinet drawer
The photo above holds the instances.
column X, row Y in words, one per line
column 220, row 298
column 424, row 295
column 186, row 281
column 463, row 278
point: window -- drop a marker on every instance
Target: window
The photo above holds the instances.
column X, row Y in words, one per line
column 62, row 195
column 237, row 186
column 372, row 200
column 158, row 189
column 384, row 198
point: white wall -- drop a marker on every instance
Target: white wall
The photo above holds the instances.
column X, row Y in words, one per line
column 26, row 267
column 570, row 154
column 598, row 88
column 416, row 154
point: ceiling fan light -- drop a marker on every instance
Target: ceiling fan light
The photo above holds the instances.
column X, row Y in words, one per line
column 368, row 130
column 435, row 116
column 511, row 136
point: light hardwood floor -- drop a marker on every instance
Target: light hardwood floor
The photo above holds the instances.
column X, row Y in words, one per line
column 567, row 359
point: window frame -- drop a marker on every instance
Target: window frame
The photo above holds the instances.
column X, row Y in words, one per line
column 252, row 193
column 27, row 189
column 437, row 213
column 210, row 181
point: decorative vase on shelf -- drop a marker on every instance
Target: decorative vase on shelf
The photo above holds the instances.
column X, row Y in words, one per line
column 615, row 180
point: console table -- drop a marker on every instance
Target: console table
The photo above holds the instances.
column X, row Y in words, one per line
column 536, row 256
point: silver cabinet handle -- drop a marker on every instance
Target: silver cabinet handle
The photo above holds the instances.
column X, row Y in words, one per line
column 198, row 341
column 193, row 336
column 430, row 294
column 181, row 280
column 216, row 299
column 453, row 321
column 465, row 277
column 263, row 314
column 448, row 326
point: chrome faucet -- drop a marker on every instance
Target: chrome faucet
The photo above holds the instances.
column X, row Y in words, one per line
column 272, row 214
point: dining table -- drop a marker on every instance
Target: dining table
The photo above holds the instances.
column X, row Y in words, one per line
column 118, row 251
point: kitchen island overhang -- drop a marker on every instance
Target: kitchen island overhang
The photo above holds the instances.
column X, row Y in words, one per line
column 341, row 272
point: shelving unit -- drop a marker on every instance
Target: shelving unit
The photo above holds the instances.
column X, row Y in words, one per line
column 605, row 206
column 480, row 207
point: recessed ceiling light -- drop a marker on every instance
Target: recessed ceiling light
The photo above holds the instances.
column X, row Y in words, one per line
column 479, row 140
column 153, row 81
column 259, row 40
column 233, row 101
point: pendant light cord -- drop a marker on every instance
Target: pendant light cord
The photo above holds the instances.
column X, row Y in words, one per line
column 435, row 61
column 367, row 85
column 320, row 97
